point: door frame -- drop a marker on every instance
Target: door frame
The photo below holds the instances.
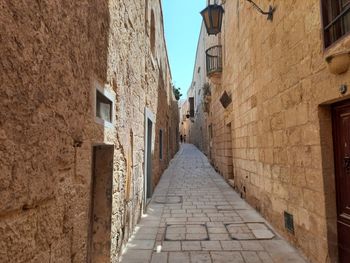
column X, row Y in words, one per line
column 337, row 169
column 91, row 201
column 149, row 117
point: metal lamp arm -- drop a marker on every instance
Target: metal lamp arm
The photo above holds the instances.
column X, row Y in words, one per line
column 268, row 13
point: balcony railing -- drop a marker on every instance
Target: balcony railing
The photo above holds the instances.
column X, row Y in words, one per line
column 214, row 60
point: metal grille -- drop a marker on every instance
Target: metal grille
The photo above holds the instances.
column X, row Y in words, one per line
column 214, row 59
column 336, row 19
column 289, row 222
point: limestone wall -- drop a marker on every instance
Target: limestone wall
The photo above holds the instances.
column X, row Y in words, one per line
column 199, row 127
column 280, row 118
column 53, row 57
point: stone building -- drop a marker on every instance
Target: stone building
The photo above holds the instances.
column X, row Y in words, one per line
column 183, row 124
column 198, row 123
column 279, row 115
column 88, row 122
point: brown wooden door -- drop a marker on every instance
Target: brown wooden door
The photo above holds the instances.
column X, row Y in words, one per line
column 341, row 137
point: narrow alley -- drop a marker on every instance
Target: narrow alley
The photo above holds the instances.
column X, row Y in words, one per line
column 175, row 131
column 195, row 216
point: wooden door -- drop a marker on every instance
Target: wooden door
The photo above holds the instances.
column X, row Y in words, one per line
column 341, row 137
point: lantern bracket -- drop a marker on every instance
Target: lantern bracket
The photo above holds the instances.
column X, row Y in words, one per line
column 269, row 13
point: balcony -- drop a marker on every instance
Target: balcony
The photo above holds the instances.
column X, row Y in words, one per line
column 214, row 60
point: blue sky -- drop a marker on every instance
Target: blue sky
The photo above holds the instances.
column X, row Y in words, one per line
column 182, row 23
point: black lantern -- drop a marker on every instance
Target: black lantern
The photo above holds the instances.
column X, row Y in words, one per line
column 212, row 16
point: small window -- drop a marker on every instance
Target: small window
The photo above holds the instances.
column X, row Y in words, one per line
column 336, row 20
column 210, row 131
column 160, row 144
column 191, row 101
column 153, row 34
column 103, row 107
column 289, row 222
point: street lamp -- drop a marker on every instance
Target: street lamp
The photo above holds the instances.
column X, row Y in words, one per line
column 212, row 16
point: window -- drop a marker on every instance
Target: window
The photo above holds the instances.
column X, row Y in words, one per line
column 160, row 144
column 210, row 131
column 336, row 20
column 191, row 101
column 153, row 34
column 103, row 107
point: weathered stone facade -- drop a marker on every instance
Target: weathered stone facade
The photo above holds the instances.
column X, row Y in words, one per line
column 278, row 127
column 197, row 126
column 55, row 57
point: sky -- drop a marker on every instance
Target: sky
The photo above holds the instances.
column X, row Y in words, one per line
column 182, row 22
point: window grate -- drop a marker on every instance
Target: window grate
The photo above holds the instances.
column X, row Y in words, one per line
column 336, row 20
column 289, row 222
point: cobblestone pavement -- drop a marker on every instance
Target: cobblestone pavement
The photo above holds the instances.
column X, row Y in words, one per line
column 195, row 216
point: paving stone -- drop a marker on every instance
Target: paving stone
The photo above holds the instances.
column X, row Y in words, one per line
column 179, row 257
column 171, row 246
column 200, row 257
column 251, row 245
column 231, row 245
column 211, row 245
column 251, row 257
column 277, row 245
column 191, row 245
column 174, row 236
column 225, row 257
column 196, row 229
column 203, row 236
column 144, row 236
column 263, row 234
column 217, row 230
column 136, row 256
column 161, row 257
column 141, row 244
column 219, row 237
column 286, row 257
column 265, row 257
column 257, row 226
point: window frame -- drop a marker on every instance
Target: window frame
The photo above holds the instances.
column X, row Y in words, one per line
column 101, row 98
column 327, row 42
column 111, row 96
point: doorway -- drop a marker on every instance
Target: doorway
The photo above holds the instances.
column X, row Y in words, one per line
column 341, row 141
column 149, row 160
column 148, row 179
column 101, row 204
column 228, row 173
